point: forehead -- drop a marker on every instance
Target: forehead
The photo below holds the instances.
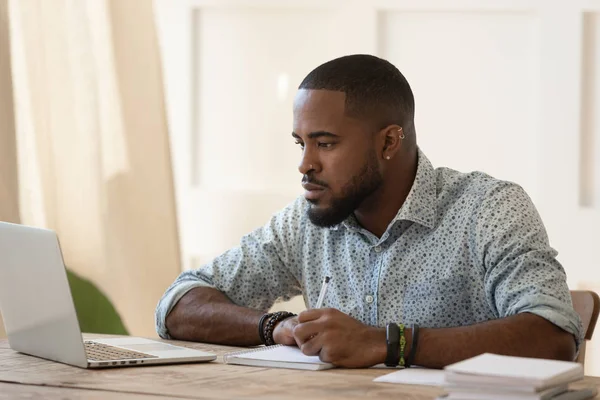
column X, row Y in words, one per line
column 318, row 110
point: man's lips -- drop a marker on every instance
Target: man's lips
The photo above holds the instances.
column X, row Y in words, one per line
column 312, row 186
column 312, row 191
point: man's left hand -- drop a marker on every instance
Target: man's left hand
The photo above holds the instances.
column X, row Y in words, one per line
column 339, row 339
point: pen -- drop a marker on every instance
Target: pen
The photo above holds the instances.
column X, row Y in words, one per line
column 323, row 291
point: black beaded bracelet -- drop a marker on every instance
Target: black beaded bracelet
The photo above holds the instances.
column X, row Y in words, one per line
column 270, row 326
column 261, row 327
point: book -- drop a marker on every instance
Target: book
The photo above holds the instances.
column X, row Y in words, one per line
column 414, row 376
column 278, row 356
column 517, row 373
column 558, row 393
column 463, row 393
column 577, row 394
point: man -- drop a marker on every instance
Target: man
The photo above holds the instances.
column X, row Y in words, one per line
column 461, row 260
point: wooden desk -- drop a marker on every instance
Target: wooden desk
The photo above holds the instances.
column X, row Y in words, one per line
column 22, row 376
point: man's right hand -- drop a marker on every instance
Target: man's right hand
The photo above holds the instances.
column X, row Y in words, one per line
column 284, row 332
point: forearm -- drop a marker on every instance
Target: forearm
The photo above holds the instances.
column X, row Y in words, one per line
column 206, row 315
column 522, row 335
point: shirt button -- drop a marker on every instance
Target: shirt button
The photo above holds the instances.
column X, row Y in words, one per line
column 377, row 249
column 369, row 299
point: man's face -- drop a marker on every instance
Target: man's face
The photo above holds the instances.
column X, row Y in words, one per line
column 339, row 163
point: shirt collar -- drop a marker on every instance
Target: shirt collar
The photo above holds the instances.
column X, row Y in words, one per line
column 420, row 204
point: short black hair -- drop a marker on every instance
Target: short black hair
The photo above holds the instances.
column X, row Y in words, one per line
column 375, row 89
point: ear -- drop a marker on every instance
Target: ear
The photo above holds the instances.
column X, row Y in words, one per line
column 393, row 136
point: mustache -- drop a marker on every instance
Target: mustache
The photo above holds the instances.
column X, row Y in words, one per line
column 313, row 180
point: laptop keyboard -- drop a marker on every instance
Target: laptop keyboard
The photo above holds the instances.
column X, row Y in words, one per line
column 103, row 352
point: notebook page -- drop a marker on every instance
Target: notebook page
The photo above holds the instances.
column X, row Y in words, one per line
column 282, row 353
column 414, row 376
column 527, row 369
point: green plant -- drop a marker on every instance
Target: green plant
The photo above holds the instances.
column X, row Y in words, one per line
column 95, row 312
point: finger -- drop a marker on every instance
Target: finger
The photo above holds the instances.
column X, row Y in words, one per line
column 325, row 356
column 299, row 342
column 311, row 315
column 304, row 331
column 312, row 347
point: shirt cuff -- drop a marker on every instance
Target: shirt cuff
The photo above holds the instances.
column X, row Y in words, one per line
column 550, row 308
column 169, row 300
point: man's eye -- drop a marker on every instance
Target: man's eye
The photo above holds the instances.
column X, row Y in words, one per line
column 326, row 145
column 301, row 144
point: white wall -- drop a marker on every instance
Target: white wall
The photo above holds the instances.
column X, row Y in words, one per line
column 508, row 87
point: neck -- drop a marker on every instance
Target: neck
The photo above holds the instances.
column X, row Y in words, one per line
column 379, row 209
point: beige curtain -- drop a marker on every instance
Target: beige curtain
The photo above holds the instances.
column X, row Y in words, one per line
column 9, row 202
column 94, row 161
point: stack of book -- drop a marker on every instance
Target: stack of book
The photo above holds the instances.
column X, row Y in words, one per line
column 491, row 377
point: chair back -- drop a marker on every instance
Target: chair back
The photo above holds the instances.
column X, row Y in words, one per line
column 587, row 304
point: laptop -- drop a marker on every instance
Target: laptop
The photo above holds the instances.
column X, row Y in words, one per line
column 40, row 317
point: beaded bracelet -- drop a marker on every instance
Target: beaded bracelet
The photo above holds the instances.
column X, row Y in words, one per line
column 270, row 326
column 402, row 346
column 261, row 327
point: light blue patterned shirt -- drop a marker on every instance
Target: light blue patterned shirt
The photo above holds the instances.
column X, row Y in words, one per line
column 463, row 249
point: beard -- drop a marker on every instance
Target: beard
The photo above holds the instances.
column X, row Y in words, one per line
column 361, row 186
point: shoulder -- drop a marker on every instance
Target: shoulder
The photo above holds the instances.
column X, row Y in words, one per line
column 293, row 213
column 477, row 188
column 291, row 219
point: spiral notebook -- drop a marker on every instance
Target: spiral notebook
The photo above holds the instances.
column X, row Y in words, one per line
column 278, row 356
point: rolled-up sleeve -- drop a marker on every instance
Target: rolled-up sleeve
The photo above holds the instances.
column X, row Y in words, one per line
column 522, row 273
column 263, row 269
column 185, row 282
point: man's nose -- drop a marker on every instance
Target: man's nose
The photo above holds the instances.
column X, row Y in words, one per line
column 307, row 163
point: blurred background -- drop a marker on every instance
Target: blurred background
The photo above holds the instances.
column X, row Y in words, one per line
column 151, row 135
